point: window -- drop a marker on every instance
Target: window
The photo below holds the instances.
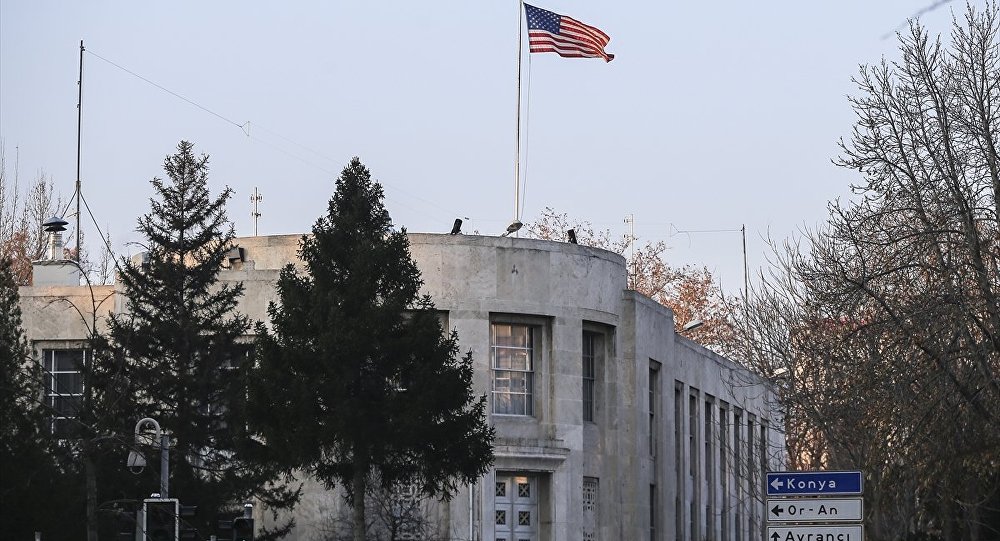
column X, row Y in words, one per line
column 752, row 474
column 709, row 470
column 590, row 513
column 679, row 459
column 763, row 448
column 64, row 388
column 762, row 441
column 593, row 353
column 513, row 364
column 724, row 465
column 738, row 470
column 693, row 435
column 694, row 463
column 652, row 512
column 654, row 386
column 404, row 515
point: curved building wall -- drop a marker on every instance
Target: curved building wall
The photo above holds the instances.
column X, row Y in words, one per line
column 609, row 425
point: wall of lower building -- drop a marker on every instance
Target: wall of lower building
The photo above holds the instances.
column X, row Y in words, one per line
column 655, row 461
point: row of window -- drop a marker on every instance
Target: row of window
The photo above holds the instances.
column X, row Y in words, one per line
column 513, row 360
column 725, row 458
column 513, row 354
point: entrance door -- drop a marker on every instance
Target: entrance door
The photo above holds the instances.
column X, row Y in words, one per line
column 515, row 515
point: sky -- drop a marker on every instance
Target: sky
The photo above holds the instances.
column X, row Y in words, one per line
column 712, row 116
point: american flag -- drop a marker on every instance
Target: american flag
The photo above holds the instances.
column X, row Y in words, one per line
column 553, row 33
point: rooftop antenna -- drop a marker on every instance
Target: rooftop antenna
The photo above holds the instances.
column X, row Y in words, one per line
column 630, row 237
column 79, row 131
column 255, row 213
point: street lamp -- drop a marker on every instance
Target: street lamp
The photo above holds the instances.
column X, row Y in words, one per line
column 692, row 325
column 137, row 461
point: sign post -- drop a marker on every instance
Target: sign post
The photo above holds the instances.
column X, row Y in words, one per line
column 804, row 505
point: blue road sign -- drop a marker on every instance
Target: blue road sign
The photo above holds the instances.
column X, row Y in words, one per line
column 814, row 483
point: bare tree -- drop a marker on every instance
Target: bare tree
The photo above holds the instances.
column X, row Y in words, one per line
column 885, row 322
column 691, row 292
column 397, row 514
column 22, row 239
column 21, row 216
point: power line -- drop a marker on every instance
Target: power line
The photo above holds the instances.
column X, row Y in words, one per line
column 168, row 91
column 245, row 128
column 926, row 9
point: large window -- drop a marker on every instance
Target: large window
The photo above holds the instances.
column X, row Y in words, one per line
column 694, row 461
column 654, row 391
column 679, row 460
column 593, row 346
column 752, row 474
column 709, row 480
column 738, row 470
column 724, row 465
column 512, row 350
column 64, row 388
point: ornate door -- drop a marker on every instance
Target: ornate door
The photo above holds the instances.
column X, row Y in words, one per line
column 515, row 515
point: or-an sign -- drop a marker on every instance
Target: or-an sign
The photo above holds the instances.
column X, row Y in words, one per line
column 815, row 510
column 814, row 483
column 853, row 532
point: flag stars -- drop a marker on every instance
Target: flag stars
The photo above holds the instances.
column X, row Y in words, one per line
column 550, row 32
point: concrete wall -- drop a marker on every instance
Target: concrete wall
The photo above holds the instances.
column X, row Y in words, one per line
column 562, row 289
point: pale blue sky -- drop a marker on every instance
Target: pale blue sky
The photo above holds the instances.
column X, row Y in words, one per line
column 712, row 115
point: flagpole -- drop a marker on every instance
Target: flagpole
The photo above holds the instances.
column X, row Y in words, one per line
column 517, row 132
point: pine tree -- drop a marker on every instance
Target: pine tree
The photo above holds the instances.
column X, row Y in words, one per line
column 358, row 383
column 32, row 486
column 181, row 339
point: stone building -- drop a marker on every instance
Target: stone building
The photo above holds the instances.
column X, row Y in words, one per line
column 610, row 425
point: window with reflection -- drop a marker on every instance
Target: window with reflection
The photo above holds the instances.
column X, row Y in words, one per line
column 512, row 350
column 64, row 388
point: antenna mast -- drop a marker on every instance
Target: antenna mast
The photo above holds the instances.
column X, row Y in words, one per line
column 79, row 127
column 630, row 220
column 255, row 213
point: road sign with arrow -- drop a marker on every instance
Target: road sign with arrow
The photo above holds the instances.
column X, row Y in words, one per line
column 809, row 498
column 814, row 483
column 815, row 510
column 818, row 532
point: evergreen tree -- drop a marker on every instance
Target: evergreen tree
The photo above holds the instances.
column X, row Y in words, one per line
column 32, row 486
column 358, row 383
column 181, row 340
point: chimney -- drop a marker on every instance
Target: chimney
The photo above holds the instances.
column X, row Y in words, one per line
column 54, row 269
column 54, row 226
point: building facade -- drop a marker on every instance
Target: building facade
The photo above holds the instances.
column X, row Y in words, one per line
column 609, row 424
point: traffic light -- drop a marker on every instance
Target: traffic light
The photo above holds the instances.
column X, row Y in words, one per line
column 186, row 532
column 124, row 525
column 242, row 529
column 161, row 519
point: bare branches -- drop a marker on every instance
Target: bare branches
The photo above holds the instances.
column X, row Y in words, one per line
column 689, row 291
column 886, row 320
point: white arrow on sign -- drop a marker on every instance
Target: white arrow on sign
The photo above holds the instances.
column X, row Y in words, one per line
column 815, row 509
column 776, row 484
column 854, row 532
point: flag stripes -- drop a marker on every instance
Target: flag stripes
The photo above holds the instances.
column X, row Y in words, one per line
column 550, row 32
